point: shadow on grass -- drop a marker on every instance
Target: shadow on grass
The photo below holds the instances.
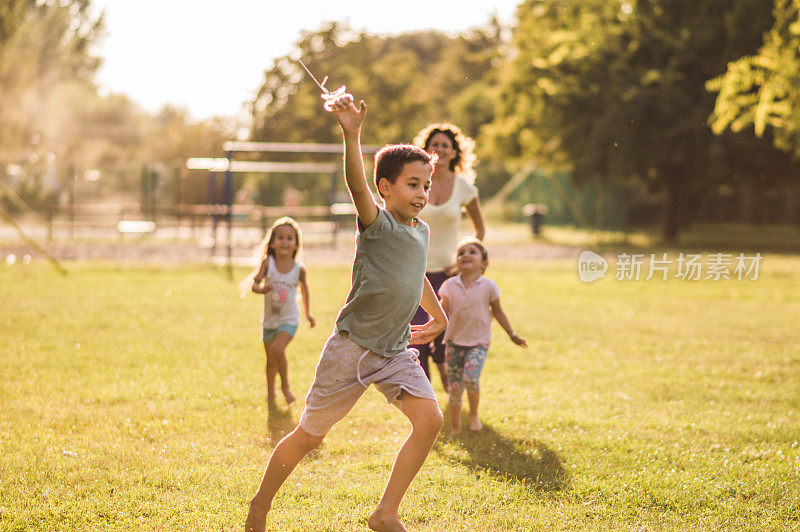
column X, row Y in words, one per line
column 529, row 461
column 282, row 422
column 279, row 423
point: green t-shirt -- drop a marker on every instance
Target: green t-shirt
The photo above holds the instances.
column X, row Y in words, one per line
column 387, row 281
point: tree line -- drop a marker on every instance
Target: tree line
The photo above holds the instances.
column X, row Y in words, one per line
column 679, row 98
column 56, row 126
column 625, row 90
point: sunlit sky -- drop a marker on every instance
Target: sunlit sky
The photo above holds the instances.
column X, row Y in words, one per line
column 209, row 56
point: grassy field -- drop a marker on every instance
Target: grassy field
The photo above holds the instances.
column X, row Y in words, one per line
column 132, row 398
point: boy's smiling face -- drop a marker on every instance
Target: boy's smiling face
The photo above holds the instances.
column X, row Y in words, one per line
column 409, row 193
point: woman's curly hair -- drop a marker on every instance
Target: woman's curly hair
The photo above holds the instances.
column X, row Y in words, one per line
column 465, row 148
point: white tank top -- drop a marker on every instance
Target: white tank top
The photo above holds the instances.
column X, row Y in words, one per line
column 280, row 303
column 443, row 221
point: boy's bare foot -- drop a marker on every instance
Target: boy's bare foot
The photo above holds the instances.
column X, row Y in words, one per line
column 475, row 423
column 256, row 516
column 287, row 393
column 455, row 431
column 384, row 521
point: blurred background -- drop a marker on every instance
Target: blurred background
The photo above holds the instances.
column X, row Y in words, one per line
column 605, row 115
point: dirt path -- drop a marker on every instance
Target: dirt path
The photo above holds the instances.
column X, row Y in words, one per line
column 178, row 253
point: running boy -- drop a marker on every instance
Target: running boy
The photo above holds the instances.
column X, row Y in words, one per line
column 369, row 344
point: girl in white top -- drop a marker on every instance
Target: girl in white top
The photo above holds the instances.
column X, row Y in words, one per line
column 452, row 191
column 470, row 300
column 278, row 277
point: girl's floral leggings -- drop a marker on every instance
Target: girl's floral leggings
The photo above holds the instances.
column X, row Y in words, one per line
column 464, row 366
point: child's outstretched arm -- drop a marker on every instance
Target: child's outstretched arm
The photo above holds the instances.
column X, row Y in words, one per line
column 350, row 120
column 260, row 285
column 422, row 334
column 502, row 319
column 303, row 281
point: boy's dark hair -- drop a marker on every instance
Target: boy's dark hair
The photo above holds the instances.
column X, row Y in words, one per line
column 390, row 159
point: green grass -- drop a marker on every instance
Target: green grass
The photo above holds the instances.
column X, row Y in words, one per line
column 132, row 398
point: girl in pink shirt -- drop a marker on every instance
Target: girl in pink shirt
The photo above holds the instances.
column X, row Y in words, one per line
column 470, row 300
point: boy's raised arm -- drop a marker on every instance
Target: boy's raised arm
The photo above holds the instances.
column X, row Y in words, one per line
column 350, row 120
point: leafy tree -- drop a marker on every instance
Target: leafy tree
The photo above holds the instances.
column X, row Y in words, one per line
column 43, row 46
column 407, row 80
column 46, row 56
column 53, row 123
column 760, row 91
column 616, row 89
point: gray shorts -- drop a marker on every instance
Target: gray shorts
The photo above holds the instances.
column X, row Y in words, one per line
column 343, row 373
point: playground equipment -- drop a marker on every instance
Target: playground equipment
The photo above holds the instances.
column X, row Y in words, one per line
column 594, row 204
column 228, row 166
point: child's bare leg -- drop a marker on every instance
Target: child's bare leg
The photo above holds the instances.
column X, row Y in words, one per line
column 426, row 421
column 271, row 371
column 285, row 457
column 474, row 397
column 455, row 418
column 282, row 339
